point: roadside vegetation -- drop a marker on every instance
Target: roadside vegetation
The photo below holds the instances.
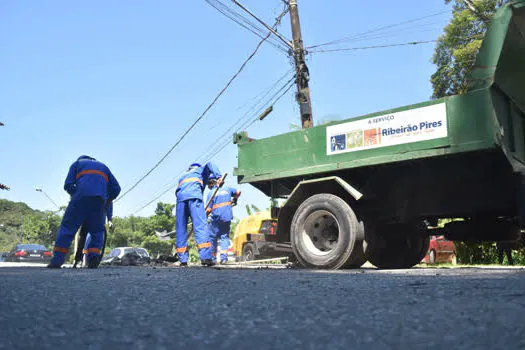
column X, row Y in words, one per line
column 21, row 224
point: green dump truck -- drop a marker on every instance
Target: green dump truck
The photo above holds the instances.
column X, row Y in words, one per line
column 373, row 187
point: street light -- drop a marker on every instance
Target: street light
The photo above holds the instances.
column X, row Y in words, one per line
column 39, row 189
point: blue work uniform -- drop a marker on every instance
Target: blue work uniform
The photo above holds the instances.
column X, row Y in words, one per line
column 109, row 214
column 91, row 185
column 189, row 203
column 221, row 216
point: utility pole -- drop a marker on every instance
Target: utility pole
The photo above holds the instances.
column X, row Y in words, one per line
column 301, row 70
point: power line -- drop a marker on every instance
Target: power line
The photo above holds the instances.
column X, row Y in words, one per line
column 377, row 30
column 248, row 25
column 277, row 22
column 249, row 121
column 402, row 32
column 253, row 109
column 210, row 155
column 377, row 46
column 198, row 119
column 272, row 101
column 207, row 108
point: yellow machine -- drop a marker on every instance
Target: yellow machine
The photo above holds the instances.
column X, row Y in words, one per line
column 255, row 239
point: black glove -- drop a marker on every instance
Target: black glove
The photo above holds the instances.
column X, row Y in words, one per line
column 234, row 201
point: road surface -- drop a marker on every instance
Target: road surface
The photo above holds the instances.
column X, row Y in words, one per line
column 199, row 308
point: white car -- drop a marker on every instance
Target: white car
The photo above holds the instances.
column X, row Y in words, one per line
column 123, row 255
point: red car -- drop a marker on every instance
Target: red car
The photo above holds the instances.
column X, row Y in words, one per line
column 440, row 250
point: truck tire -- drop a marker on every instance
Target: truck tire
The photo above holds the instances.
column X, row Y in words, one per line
column 398, row 246
column 324, row 233
column 248, row 252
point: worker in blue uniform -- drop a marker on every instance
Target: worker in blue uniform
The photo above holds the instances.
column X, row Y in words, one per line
column 92, row 187
column 221, row 215
column 189, row 204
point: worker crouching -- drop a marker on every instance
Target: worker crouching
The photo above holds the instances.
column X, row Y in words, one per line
column 92, row 187
column 189, row 204
column 221, row 215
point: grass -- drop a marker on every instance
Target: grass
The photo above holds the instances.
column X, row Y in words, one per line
column 455, row 266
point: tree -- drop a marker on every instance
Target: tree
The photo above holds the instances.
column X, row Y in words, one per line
column 456, row 49
column 156, row 247
column 252, row 209
column 164, row 209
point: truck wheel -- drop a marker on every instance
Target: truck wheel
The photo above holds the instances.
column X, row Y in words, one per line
column 248, row 252
column 323, row 233
column 358, row 254
column 399, row 246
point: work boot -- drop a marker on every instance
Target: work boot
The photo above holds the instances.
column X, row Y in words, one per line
column 93, row 263
column 183, row 264
column 223, row 262
column 53, row 266
column 207, row 262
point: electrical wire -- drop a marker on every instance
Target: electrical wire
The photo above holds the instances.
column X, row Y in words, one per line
column 208, row 156
column 356, row 36
column 377, row 46
column 253, row 110
column 200, row 117
column 248, row 25
column 273, row 100
column 277, row 22
column 404, row 32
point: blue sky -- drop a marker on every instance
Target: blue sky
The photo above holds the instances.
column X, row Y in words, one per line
column 122, row 80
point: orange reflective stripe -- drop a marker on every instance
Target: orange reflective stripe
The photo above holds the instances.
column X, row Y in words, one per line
column 61, row 250
column 182, row 250
column 84, row 251
column 191, row 179
column 221, row 205
column 92, row 172
column 94, row 250
column 204, row 245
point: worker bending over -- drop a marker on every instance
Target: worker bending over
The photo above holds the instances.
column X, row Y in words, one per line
column 220, row 209
column 92, row 187
column 189, row 203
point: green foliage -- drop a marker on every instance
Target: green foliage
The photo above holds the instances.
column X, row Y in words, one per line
column 21, row 224
column 156, row 247
column 457, row 48
column 252, row 209
column 476, row 253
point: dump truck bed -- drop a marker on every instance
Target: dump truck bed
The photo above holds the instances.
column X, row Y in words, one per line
column 486, row 124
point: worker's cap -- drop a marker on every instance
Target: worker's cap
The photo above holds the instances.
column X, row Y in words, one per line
column 85, row 157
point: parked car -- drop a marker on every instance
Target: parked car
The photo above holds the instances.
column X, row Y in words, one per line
column 127, row 256
column 29, row 253
column 440, row 250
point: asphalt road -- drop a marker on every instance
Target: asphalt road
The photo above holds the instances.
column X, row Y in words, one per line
column 199, row 308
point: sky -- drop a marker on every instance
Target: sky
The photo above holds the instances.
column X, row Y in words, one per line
column 122, row 80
